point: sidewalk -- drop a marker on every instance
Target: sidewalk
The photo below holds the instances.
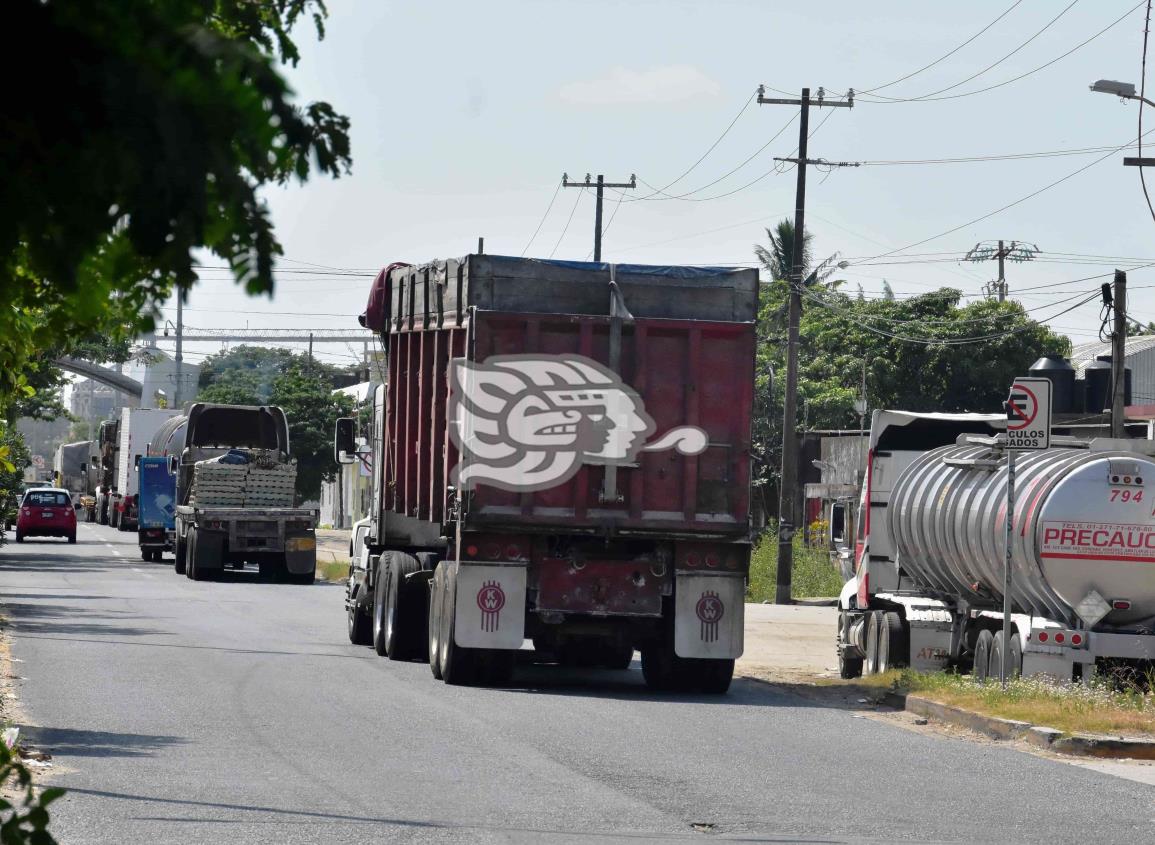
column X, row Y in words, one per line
column 333, row 545
column 789, row 642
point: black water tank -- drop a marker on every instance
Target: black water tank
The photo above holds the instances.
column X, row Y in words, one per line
column 1062, row 375
column 1098, row 384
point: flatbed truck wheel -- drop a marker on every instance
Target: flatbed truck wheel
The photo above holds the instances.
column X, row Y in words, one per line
column 192, row 570
column 618, row 656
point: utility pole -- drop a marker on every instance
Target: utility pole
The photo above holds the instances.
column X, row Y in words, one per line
column 788, row 499
column 600, row 184
column 179, row 347
column 1119, row 356
column 984, row 251
column 310, row 350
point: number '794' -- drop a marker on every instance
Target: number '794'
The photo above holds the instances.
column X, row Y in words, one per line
column 1127, row 495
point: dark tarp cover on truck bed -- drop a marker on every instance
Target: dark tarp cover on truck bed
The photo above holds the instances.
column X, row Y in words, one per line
column 257, row 427
column 442, row 292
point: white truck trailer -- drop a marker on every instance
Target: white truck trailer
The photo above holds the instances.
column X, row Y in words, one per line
column 137, row 427
column 931, row 548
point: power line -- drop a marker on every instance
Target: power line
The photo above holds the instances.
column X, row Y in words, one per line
column 927, row 98
column 1013, row 6
column 541, row 222
column 703, row 156
column 1002, row 208
column 992, row 66
column 688, row 196
column 569, row 220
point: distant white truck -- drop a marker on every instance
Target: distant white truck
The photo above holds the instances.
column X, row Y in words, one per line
column 137, row 428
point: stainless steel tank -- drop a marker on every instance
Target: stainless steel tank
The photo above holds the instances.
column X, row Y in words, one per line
column 1083, row 521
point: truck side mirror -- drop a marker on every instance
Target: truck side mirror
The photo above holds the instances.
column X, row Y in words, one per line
column 84, row 467
column 136, row 463
column 172, row 464
column 343, row 443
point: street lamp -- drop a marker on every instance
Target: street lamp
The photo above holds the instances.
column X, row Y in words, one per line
column 1122, row 90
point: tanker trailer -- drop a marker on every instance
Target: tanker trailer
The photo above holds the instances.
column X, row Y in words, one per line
column 1082, row 552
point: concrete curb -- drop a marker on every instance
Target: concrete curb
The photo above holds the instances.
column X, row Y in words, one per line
column 1077, row 745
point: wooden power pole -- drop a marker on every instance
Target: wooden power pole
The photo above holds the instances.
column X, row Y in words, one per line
column 788, row 517
column 600, row 184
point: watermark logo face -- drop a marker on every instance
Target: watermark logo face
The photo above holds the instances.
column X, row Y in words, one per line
column 710, row 611
column 529, row 422
column 491, row 599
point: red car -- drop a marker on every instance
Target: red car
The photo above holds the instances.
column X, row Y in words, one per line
column 46, row 512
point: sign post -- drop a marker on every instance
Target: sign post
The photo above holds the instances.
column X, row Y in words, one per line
column 1028, row 428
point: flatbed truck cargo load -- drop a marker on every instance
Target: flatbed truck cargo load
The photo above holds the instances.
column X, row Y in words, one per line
column 561, row 454
column 239, row 457
column 931, row 553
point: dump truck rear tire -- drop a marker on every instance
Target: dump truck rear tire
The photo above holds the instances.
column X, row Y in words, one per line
column 433, row 622
column 458, row 665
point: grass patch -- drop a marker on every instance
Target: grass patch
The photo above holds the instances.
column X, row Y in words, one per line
column 1098, row 707
column 333, row 570
column 814, row 575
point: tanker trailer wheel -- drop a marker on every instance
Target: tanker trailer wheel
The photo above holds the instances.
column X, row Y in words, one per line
column 403, row 639
column 1015, row 657
column 984, row 645
column 892, row 642
column 433, row 622
column 459, row 666
column 874, row 624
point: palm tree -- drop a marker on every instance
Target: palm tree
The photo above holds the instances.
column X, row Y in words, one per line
column 778, row 258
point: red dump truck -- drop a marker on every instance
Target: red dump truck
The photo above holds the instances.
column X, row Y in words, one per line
column 561, row 454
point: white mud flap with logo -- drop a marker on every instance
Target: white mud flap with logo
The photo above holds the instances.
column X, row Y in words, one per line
column 490, row 606
column 709, row 615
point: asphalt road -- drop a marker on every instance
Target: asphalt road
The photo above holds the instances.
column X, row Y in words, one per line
column 237, row 711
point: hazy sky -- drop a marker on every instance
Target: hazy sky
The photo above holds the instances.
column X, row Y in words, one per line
column 465, row 114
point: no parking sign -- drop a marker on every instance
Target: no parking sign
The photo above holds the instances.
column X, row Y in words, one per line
column 1029, row 414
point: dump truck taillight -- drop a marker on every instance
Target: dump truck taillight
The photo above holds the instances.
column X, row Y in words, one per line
column 1120, row 604
column 1043, row 636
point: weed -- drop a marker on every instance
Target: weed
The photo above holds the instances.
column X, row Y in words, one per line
column 813, row 575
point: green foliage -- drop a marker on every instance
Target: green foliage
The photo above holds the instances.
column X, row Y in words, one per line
column 813, row 575
column 148, row 136
column 25, row 813
column 912, row 350
column 14, row 457
column 251, row 375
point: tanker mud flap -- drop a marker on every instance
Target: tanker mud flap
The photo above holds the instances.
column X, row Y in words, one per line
column 709, row 615
column 490, row 606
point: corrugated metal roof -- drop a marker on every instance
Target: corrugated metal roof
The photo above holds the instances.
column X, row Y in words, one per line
column 1084, row 353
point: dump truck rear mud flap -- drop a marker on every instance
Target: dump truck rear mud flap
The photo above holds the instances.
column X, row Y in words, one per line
column 709, row 615
column 490, row 606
